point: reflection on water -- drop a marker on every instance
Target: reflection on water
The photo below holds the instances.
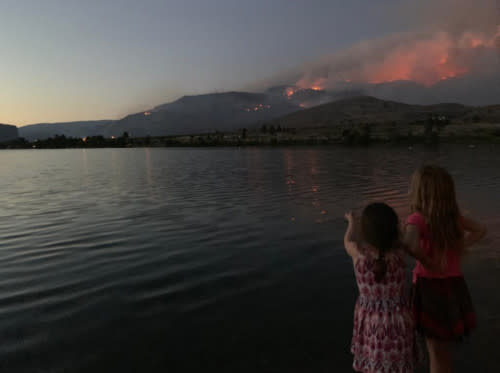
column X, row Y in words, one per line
column 147, row 154
column 195, row 259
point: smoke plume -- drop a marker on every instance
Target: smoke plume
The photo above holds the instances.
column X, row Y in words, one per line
column 452, row 53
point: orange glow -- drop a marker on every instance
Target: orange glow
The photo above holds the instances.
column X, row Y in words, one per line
column 425, row 61
column 147, row 113
column 289, row 92
column 258, row 107
column 476, row 43
column 316, row 85
column 496, row 37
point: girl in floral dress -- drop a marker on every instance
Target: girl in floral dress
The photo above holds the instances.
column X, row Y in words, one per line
column 383, row 333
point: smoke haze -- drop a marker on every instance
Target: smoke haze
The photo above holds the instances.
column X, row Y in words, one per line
column 451, row 53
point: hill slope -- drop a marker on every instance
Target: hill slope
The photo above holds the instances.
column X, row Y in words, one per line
column 370, row 110
column 69, row 129
column 204, row 113
column 234, row 110
column 8, row 132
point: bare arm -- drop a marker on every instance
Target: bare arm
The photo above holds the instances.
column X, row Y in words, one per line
column 411, row 243
column 350, row 244
column 474, row 231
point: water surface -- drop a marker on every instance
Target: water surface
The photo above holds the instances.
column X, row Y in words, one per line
column 222, row 259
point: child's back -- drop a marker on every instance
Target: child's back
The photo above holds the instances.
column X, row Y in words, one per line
column 383, row 333
column 437, row 234
column 452, row 262
column 443, row 308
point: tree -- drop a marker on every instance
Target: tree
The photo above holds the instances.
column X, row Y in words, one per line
column 263, row 129
column 410, row 135
column 244, row 133
column 430, row 134
column 125, row 135
column 366, row 134
column 348, row 136
column 272, row 130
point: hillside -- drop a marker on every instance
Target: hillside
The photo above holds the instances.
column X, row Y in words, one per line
column 370, row 110
column 190, row 114
column 8, row 132
column 230, row 111
column 204, row 113
column 68, row 129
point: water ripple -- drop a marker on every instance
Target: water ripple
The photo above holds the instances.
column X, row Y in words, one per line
column 95, row 241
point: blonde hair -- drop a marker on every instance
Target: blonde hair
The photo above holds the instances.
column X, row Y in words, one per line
column 433, row 195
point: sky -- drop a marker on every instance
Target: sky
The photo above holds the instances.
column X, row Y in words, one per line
column 68, row 60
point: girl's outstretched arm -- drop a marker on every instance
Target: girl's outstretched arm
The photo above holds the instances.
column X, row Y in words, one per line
column 350, row 244
column 474, row 231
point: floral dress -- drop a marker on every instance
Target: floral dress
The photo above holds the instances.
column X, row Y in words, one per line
column 383, row 334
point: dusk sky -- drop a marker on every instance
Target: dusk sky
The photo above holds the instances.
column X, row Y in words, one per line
column 65, row 60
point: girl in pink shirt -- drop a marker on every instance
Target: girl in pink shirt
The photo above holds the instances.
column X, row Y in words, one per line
column 437, row 233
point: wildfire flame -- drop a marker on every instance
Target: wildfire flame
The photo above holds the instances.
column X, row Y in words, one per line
column 424, row 60
column 258, row 107
column 289, row 92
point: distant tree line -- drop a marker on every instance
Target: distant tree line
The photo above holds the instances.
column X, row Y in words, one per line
column 61, row 141
column 271, row 129
column 349, row 133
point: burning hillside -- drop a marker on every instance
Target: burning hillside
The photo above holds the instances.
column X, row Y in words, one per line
column 425, row 59
column 452, row 54
column 301, row 97
column 258, row 107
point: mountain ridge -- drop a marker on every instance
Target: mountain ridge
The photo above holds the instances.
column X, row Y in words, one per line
column 8, row 132
column 372, row 110
column 232, row 110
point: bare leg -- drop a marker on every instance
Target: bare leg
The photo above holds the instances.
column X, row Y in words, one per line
column 439, row 356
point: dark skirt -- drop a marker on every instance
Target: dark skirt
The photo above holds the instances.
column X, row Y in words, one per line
column 443, row 308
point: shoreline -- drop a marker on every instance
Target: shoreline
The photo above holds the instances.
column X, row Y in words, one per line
column 352, row 135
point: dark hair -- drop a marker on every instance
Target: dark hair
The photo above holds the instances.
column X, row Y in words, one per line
column 380, row 229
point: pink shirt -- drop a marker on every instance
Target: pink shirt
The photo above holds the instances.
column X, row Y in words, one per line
column 453, row 257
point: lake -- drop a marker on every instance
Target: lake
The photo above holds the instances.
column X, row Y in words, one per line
column 223, row 259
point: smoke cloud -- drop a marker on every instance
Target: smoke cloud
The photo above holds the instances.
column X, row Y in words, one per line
column 453, row 45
